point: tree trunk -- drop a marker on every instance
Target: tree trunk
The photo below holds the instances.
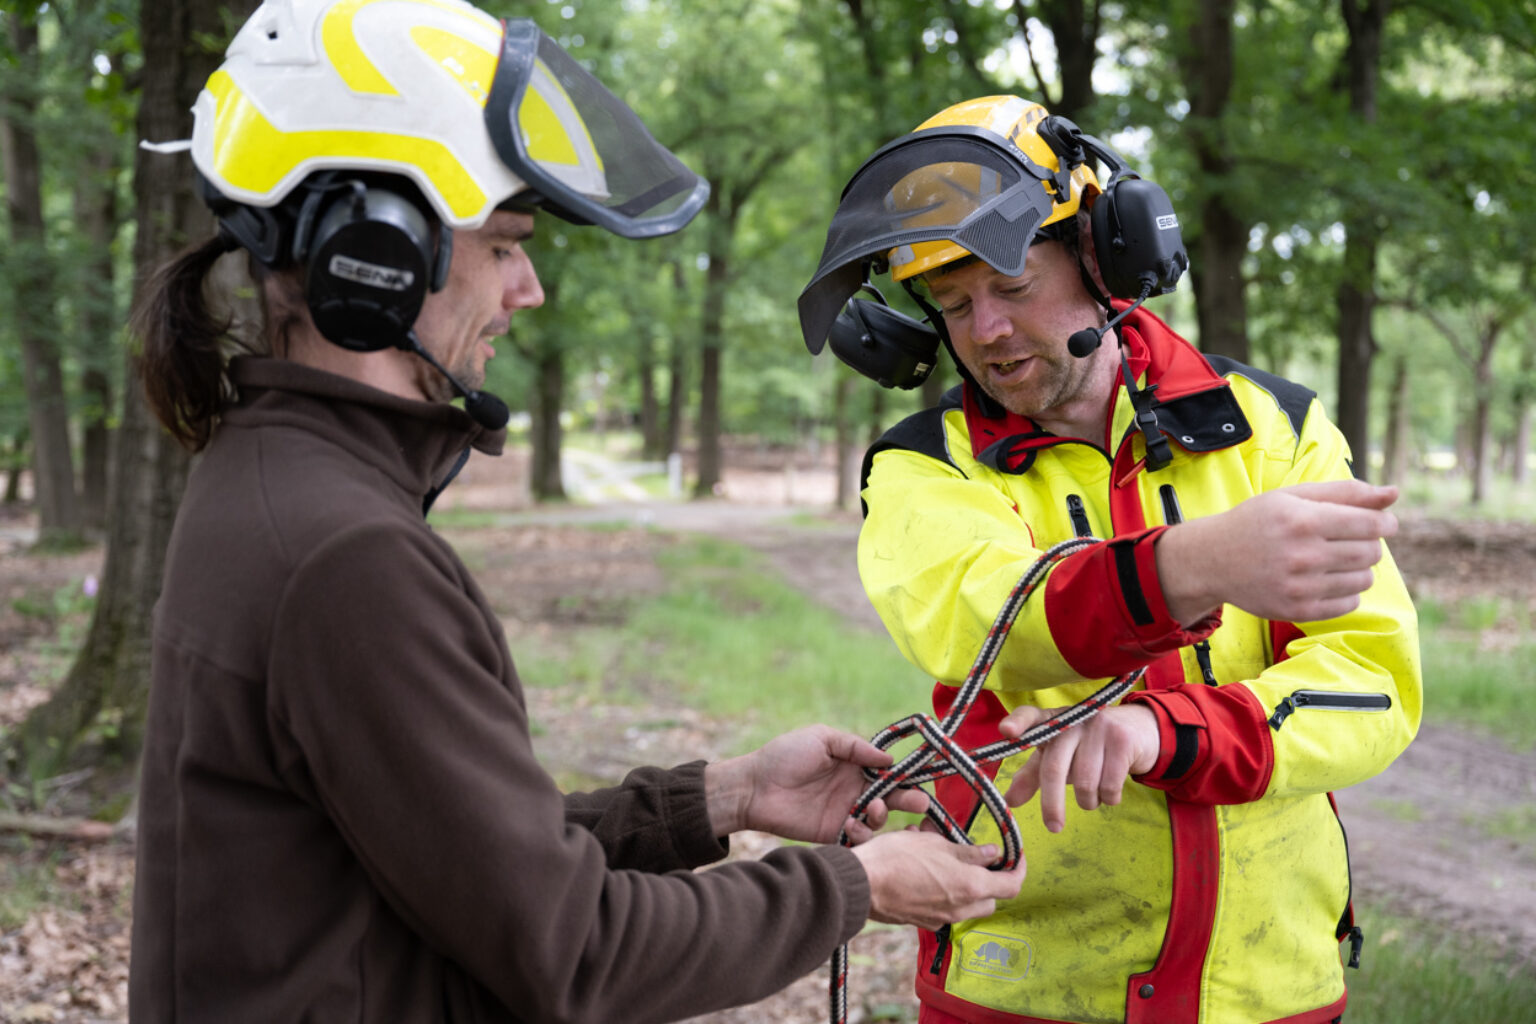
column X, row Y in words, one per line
column 109, row 680
column 1356, row 297
column 842, row 430
column 33, row 300
column 1220, row 240
column 652, row 441
column 1075, row 32
column 677, row 366
column 95, row 204
column 677, row 393
column 1395, row 448
column 1520, row 443
column 1482, row 419
column 545, row 480
column 15, row 462
column 1481, row 438
column 711, row 346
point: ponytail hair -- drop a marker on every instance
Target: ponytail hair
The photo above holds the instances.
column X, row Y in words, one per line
column 185, row 345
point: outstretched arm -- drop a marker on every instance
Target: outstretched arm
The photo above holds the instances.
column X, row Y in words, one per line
column 801, row 785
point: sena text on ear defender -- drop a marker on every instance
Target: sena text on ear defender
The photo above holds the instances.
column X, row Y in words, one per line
column 369, row 259
column 884, row 344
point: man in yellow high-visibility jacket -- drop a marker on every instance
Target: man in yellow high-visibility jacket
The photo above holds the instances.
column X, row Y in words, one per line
column 1243, row 567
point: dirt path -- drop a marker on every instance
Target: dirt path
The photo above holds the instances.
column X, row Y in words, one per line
column 1444, row 833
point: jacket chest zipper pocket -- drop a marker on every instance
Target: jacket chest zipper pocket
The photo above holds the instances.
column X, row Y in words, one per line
column 1079, row 516
column 1327, row 700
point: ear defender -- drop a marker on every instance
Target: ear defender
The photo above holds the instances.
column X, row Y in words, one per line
column 369, row 262
column 1137, row 240
column 885, row 345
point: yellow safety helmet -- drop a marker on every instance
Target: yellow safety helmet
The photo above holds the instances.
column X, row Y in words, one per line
column 1014, row 119
column 471, row 109
column 979, row 178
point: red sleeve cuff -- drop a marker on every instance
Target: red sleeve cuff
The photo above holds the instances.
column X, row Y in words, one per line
column 1106, row 610
column 1215, row 743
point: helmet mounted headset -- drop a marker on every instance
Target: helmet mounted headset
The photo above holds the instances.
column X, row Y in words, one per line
column 351, row 138
column 983, row 179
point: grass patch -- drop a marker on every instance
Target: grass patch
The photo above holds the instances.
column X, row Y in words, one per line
column 743, row 643
column 467, row 518
column 1402, row 810
column 1416, row 973
column 1517, row 822
column 730, row 638
column 28, row 880
column 1486, row 688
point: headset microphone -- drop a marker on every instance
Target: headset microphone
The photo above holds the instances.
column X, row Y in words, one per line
column 1083, row 342
column 483, row 407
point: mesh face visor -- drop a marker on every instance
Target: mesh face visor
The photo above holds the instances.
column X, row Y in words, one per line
column 966, row 185
column 583, row 150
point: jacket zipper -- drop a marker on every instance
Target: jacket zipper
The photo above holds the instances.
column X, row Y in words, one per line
column 1172, row 516
column 1171, row 512
column 1079, row 516
column 1327, row 700
column 938, row 957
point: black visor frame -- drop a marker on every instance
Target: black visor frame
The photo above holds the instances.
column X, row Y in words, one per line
column 654, row 193
column 997, row 229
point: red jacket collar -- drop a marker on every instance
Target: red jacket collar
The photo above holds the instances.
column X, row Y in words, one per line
column 1152, row 348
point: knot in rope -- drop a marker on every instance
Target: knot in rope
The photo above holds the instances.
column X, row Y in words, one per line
column 939, row 756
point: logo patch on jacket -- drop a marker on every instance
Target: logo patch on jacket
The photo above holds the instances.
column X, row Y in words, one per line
column 994, row 955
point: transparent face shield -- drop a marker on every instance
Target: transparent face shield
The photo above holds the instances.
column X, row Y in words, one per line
column 957, row 184
column 584, row 152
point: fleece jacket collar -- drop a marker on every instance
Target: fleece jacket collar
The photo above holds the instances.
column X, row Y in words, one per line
column 415, row 443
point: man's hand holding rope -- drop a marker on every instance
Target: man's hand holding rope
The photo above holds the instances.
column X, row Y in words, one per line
column 800, row 786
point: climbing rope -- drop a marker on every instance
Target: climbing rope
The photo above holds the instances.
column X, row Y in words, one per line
column 940, row 756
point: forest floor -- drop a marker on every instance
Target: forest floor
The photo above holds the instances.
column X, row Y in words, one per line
column 1429, row 838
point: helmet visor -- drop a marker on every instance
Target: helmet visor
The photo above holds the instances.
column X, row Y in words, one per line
column 582, row 149
column 957, row 184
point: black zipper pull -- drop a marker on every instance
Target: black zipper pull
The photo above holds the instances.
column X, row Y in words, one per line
column 1171, row 512
column 1203, row 656
column 1079, row 516
column 1356, row 943
column 1285, row 709
column 938, row 957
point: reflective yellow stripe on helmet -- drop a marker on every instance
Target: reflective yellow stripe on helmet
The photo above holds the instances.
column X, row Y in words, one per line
column 554, row 133
column 353, row 65
column 470, row 65
column 253, row 155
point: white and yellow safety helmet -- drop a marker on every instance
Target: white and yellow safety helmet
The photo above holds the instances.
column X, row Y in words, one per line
column 980, row 178
column 473, row 110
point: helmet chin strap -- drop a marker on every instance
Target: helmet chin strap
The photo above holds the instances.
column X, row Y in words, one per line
column 989, row 406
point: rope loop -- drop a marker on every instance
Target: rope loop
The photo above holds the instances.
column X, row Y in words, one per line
column 940, row 756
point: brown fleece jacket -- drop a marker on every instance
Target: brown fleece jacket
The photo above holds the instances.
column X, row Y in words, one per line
column 341, row 815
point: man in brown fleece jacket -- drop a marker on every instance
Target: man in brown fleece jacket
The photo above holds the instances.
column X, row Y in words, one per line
column 341, row 815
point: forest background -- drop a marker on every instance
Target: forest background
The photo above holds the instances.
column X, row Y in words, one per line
column 1354, row 180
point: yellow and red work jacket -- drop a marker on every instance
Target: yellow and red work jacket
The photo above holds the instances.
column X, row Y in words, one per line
column 1217, row 891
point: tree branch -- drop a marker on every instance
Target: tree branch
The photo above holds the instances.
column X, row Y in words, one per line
column 83, row 829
